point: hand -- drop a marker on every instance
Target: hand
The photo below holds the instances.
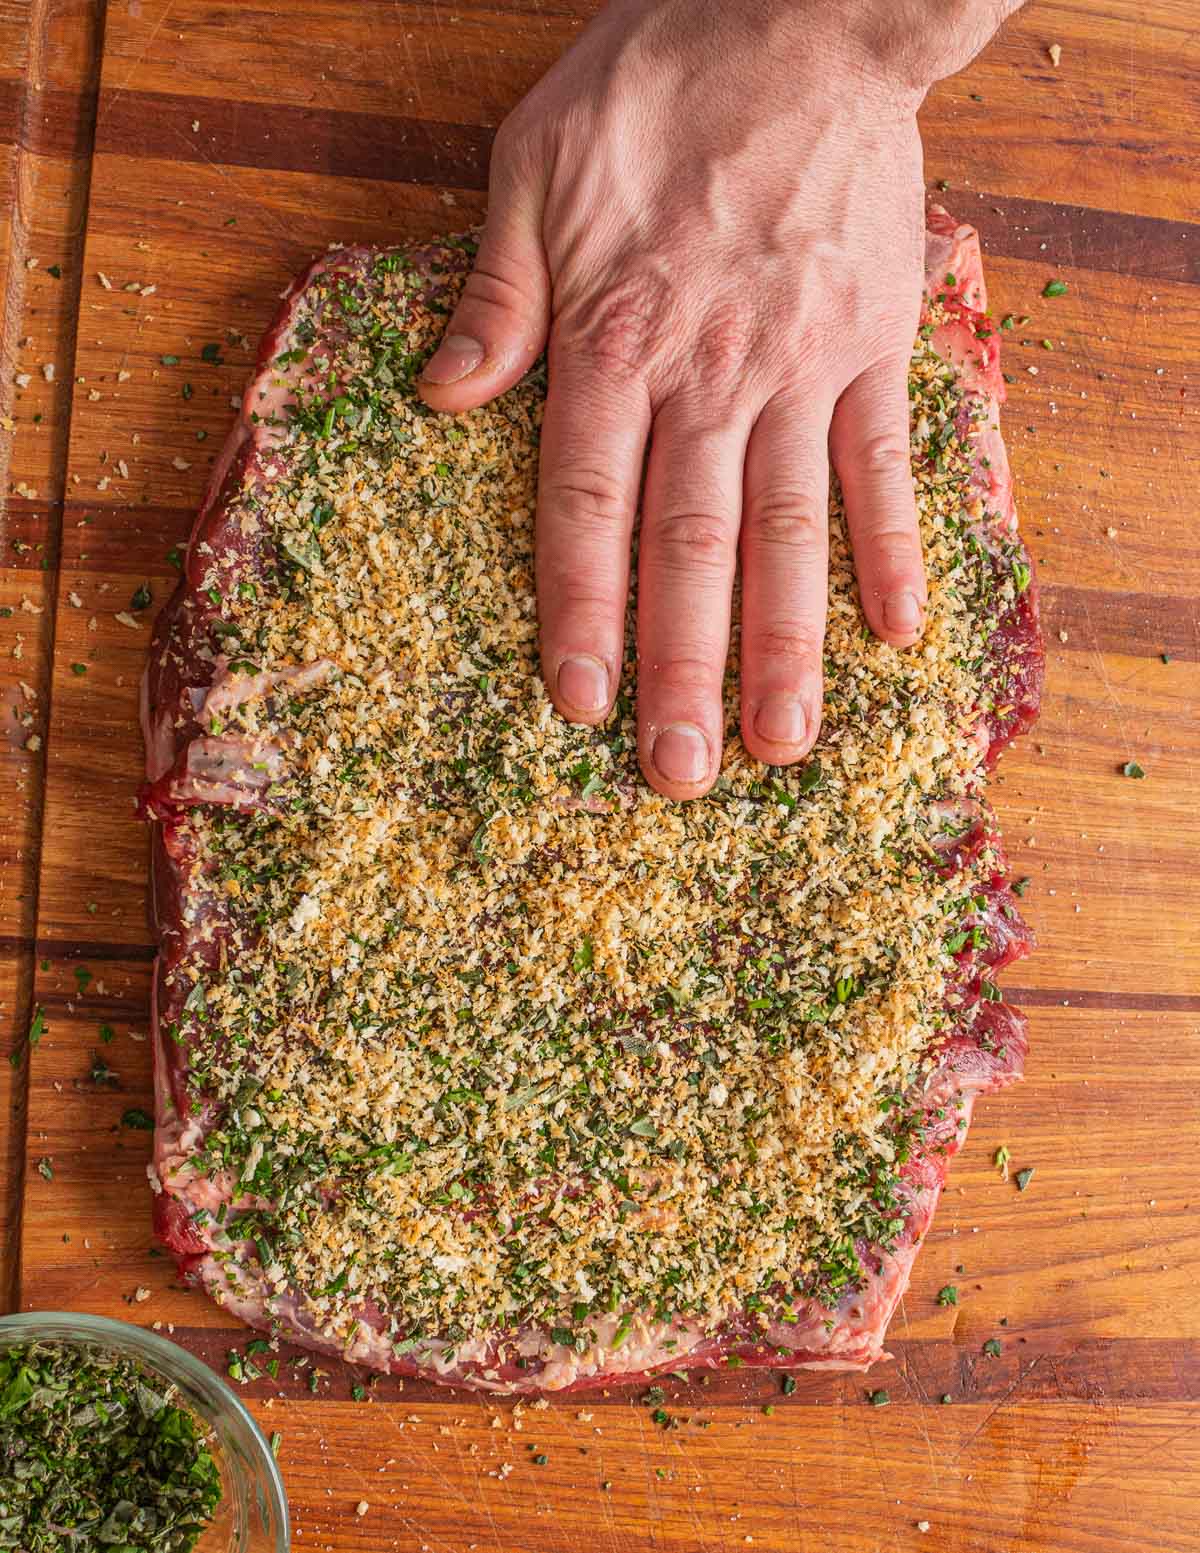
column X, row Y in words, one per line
column 712, row 213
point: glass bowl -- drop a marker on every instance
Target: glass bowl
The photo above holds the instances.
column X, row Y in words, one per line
column 252, row 1516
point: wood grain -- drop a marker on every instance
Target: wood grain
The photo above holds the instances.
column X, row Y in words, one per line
column 48, row 75
column 232, row 144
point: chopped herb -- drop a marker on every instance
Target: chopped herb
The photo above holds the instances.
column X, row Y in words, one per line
column 811, row 777
column 1023, row 1177
column 45, row 1168
column 142, row 597
column 138, row 1119
column 946, row 1398
column 275, row 1442
column 583, row 957
column 107, row 1033
column 992, row 1348
column 948, row 1294
column 55, row 270
column 1054, row 288
column 175, row 557
column 169, row 361
column 101, row 1074
column 1019, row 886
column 37, row 1025
column 212, row 353
column 1132, row 769
column 788, row 1385
column 187, row 391
column 878, row 1398
column 79, row 668
column 540, row 1459
column 98, row 1453
column 358, row 1392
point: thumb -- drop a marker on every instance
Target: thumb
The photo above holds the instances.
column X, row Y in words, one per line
column 500, row 325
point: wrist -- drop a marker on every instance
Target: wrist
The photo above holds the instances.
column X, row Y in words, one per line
column 907, row 44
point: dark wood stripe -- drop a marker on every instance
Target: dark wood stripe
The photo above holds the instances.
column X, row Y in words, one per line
column 1089, row 998
column 13, row 945
column 340, row 144
column 1079, row 237
column 31, row 532
column 921, row 1372
column 405, row 150
column 134, row 541
column 1137, row 624
column 49, row 122
column 85, row 949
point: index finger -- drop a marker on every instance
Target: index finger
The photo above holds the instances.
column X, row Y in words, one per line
column 593, row 439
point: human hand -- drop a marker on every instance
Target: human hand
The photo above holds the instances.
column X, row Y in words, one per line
column 712, row 212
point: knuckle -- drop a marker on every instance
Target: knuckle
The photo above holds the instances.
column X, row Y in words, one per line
column 582, row 599
column 694, row 541
column 787, row 520
column 618, row 332
column 725, row 342
column 893, row 547
column 688, row 675
column 492, row 285
column 585, row 496
column 886, row 453
column 785, row 642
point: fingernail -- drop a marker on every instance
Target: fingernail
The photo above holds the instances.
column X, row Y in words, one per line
column 583, row 683
column 457, row 355
column 781, row 720
column 681, row 753
column 902, row 612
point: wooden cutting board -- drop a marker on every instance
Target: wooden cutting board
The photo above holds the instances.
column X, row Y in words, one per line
column 231, row 143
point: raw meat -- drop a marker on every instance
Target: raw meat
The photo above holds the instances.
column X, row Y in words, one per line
column 192, row 763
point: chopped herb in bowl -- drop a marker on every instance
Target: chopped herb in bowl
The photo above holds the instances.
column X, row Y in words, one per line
column 151, row 1451
column 98, row 1452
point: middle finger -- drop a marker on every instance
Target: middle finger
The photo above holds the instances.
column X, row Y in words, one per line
column 691, row 510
